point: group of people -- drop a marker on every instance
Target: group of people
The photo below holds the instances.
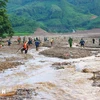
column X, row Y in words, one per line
column 27, row 42
column 82, row 42
column 37, row 42
column 70, row 41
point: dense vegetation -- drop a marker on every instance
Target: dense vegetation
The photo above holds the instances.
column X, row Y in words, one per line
column 5, row 26
column 54, row 15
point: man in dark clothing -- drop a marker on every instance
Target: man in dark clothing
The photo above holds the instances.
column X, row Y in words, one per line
column 29, row 41
column 9, row 42
column 93, row 40
column 37, row 43
column 19, row 40
column 99, row 41
column 82, row 42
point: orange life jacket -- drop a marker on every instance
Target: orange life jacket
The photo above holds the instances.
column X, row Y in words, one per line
column 25, row 45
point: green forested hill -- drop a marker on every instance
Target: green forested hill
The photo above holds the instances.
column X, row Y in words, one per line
column 53, row 15
column 87, row 6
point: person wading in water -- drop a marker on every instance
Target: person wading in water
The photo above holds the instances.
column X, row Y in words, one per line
column 25, row 47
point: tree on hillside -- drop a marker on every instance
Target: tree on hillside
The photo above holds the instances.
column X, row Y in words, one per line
column 5, row 26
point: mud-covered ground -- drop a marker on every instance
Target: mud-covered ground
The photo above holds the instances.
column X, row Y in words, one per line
column 61, row 48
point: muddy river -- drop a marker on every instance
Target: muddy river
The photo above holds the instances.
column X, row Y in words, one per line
column 48, row 81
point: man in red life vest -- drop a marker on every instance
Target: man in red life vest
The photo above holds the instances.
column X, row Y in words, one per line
column 19, row 40
column 25, row 47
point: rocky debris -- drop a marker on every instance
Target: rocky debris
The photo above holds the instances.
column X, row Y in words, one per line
column 86, row 70
column 42, row 61
column 97, row 55
column 96, row 79
column 59, row 65
column 63, row 63
column 94, row 52
column 20, row 94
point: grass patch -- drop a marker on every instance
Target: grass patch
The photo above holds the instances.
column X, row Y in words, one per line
column 21, row 34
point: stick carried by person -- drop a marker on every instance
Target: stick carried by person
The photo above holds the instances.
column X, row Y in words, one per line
column 19, row 49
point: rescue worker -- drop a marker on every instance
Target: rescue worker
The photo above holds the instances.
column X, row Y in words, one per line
column 93, row 41
column 37, row 43
column 1, row 45
column 99, row 41
column 24, row 39
column 70, row 40
column 25, row 47
column 29, row 41
column 82, row 42
column 19, row 40
column 51, row 41
column 9, row 42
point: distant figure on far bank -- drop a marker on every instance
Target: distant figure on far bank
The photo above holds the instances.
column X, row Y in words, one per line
column 70, row 41
column 82, row 42
column 51, row 41
column 99, row 41
column 24, row 39
column 45, row 39
column 93, row 41
column 37, row 43
column 9, row 42
column 1, row 44
column 29, row 41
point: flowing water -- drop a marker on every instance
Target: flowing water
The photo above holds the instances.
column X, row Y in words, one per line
column 50, row 84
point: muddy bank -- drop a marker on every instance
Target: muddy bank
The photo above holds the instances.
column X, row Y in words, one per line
column 61, row 48
column 7, row 65
column 67, row 53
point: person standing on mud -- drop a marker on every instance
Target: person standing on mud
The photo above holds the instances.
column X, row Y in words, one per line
column 1, row 45
column 70, row 41
column 29, row 41
column 99, row 41
column 82, row 42
column 52, row 41
column 93, row 41
column 24, row 39
column 19, row 40
column 45, row 39
column 37, row 43
column 9, row 42
column 25, row 47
